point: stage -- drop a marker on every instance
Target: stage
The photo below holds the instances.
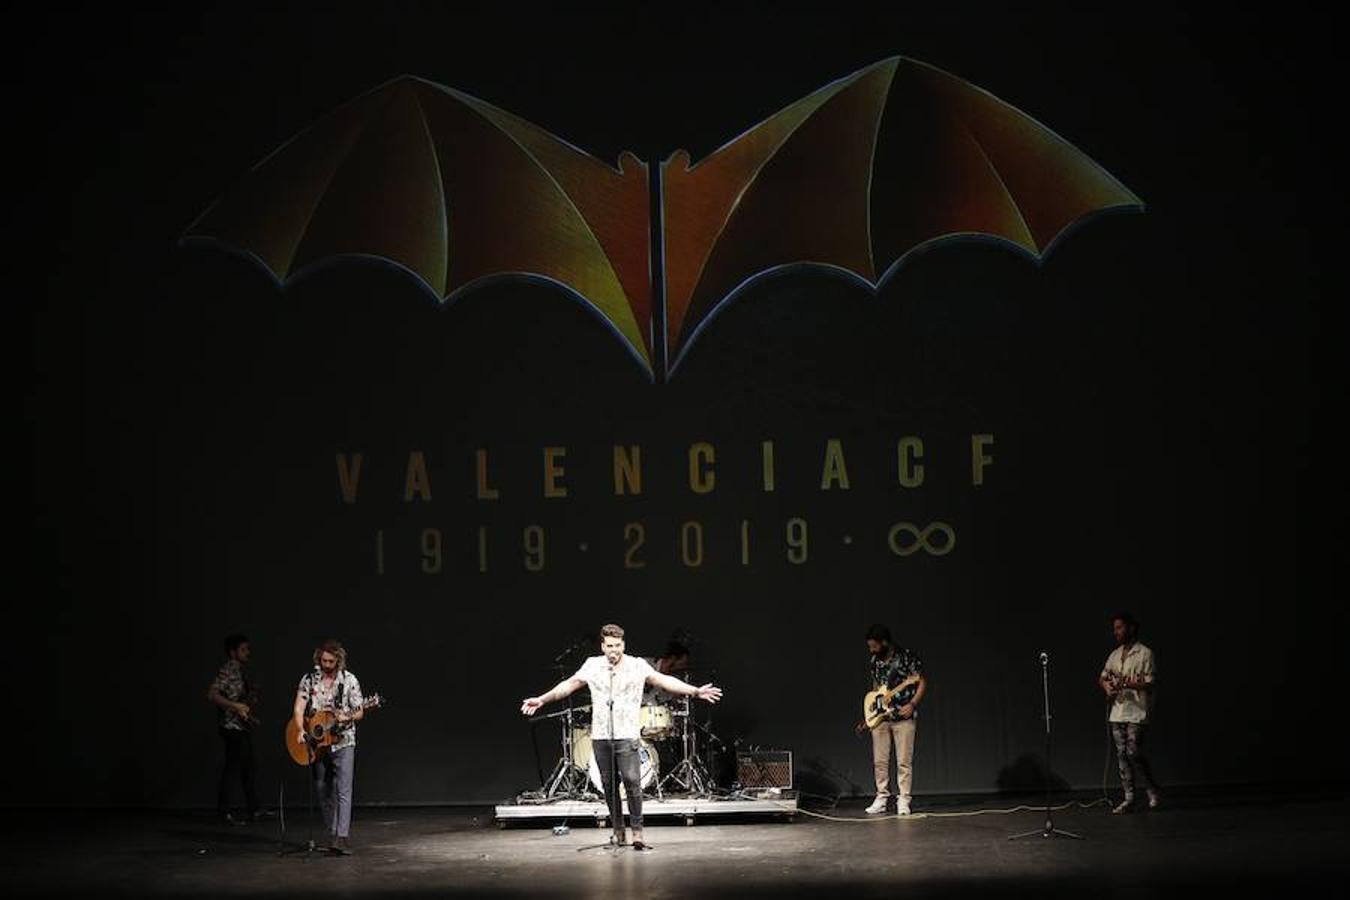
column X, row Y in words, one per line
column 689, row 810
column 1237, row 839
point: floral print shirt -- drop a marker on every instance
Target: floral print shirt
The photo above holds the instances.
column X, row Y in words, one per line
column 321, row 694
column 902, row 663
column 232, row 684
column 629, row 678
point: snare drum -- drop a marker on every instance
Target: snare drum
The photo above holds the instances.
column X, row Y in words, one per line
column 650, row 762
column 656, row 722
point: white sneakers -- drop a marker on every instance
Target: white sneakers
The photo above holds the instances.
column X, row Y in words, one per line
column 1127, row 805
column 879, row 806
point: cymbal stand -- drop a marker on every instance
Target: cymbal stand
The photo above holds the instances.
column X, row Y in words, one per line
column 688, row 775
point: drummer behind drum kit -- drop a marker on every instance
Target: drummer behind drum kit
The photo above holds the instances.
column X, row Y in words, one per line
column 577, row 775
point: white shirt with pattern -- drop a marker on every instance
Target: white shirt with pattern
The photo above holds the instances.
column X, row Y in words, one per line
column 320, row 694
column 1129, row 704
column 629, row 678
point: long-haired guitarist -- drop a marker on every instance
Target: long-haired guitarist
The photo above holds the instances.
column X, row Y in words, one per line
column 234, row 698
column 331, row 687
column 898, row 688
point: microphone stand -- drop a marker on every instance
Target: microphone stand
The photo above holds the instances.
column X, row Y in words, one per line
column 616, row 808
column 1049, row 830
column 617, row 812
column 309, row 847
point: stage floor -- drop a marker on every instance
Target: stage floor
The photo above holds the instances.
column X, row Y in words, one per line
column 1226, row 842
column 681, row 808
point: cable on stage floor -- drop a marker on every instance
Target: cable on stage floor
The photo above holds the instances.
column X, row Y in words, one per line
column 940, row 815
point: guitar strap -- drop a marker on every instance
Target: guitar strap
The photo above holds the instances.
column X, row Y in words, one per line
column 314, row 681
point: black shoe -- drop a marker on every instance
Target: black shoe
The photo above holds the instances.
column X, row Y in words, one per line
column 641, row 845
column 340, row 847
column 231, row 819
column 261, row 815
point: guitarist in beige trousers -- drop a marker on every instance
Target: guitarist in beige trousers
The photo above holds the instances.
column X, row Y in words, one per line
column 892, row 666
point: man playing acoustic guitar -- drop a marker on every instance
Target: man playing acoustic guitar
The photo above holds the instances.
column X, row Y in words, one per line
column 1127, row 679
column 892, row 668
column 331, row 687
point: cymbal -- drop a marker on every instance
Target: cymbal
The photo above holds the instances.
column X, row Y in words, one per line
column 563, row 712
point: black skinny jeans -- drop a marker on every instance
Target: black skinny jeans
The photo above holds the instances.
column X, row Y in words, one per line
column 238, row 765
column 630, row 770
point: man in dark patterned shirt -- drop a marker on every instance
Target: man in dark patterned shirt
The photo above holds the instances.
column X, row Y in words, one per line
column 891, row 665
column 230, row 693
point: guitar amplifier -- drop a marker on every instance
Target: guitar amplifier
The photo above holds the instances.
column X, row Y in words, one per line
column 764, row 768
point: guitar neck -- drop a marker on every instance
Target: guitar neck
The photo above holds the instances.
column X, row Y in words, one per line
column 910, row 682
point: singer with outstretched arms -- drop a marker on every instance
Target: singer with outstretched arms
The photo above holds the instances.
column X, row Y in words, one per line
column 616, row 683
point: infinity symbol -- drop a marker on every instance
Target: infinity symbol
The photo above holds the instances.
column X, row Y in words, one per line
column 919, row 539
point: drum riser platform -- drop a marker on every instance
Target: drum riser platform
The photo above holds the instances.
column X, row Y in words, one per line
column 685, row 808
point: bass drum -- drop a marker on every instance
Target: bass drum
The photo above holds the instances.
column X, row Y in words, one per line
column 581, row 748
column 650, row 766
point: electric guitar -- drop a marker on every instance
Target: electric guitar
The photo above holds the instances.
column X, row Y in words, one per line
column 322, row 730
column 879, row 704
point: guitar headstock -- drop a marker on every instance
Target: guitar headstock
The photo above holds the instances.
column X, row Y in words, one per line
column 374, row 701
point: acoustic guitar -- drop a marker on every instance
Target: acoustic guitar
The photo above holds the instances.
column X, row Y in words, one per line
column 322, row 730
column 879, row 704
column 1118, row 682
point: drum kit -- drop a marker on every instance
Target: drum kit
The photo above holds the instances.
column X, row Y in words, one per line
column 667, row 729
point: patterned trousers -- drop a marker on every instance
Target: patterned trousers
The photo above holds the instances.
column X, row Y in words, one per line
column 1128, row 737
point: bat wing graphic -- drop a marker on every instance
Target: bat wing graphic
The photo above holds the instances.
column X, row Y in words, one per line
column 860, row 174
column 454, row 191
column 855, row 176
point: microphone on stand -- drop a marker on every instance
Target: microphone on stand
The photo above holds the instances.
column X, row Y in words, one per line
column 1045, row 657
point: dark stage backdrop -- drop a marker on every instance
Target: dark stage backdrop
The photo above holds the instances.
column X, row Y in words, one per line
column 1148, row 401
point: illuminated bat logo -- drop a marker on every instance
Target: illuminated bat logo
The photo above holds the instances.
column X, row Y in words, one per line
column 855, row 177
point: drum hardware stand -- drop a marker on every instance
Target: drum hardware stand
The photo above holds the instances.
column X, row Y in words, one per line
column 656, row 782
column 713, row 743
column 566, row 780
column 1049, row 830
column 688, row 774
